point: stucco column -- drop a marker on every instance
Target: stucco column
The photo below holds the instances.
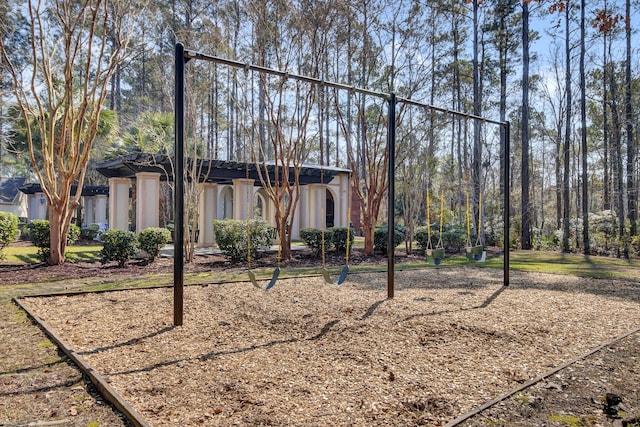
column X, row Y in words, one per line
column 343, row 202
column 242, row 198
column 147, row 200
column 100, row 209
column 207, row 213
column 119, row 203
column 317, row 205
column 89, row 210
column 36, row 206
column 303, row 206
column 295, row 230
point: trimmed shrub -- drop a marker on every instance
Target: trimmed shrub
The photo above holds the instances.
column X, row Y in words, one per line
column 152, row 239
column 9, row 231
column 25, row 232
column 339, row 238
column 422, row 237
column 232, row 238
column 90, row 232
column 381, row 237
column 635, row 245
column 312, row 237
column 73, row 235
column 40, row 234
column 119, row 245
column 454, row 238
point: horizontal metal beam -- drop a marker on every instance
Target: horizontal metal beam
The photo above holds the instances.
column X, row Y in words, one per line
column 250, row 67
column 453, row 112
column 190, row 54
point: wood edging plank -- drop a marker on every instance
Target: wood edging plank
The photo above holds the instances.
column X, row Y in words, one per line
column 105, row 390
column 535, row 380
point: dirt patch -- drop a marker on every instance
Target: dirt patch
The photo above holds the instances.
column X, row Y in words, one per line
column 306, row 353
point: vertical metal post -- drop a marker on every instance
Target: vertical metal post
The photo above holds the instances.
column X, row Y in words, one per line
column 507, row 200
column 391, row 224
column 178, row 236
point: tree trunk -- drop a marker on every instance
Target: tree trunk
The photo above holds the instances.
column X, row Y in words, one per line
column 583, row 135
column 526, row 213
column 558, row 175
column 617, row 142
column 58, row 229
column 503, row 58
column 606, row 205
column 567, row 142
column 476, row 164
column 631, row 148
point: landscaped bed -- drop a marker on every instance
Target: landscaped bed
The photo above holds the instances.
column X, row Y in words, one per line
column 306, row 353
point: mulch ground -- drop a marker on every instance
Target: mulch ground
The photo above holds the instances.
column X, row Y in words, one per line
column 307, row 353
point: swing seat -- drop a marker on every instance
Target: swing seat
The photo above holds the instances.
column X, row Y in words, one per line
column 435, row 256
column 341, row 279
column 475, row 253
column 269, row 285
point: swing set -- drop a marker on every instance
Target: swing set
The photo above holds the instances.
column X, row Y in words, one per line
column 252, row 276
column 434, row 255
column 182, row 56
column 474, row 252
column 345, row 270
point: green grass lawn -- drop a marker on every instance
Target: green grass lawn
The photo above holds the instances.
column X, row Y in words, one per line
column 559, row 263
column 540, row 261
column 28, row 254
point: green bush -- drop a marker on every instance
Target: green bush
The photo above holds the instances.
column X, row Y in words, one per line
column 73, row 235
column 119, row 245
column 312, row 237
column 152, row 239
column 90, row 232
column 635, row 245
column 9, row 231
column 422, row 237
column 454, row 238
column 231, row 235
column 381, row 237
column 40, row 235
column 25, row 232
column 339, row 238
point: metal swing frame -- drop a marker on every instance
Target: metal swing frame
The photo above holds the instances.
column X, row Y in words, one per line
column 345, row 270
column 474, row 252
column 183, row 56
column 434, row 255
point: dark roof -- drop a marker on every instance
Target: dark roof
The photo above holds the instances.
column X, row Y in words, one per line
column 9, row 188
column 87, row 190
column 127, row 166
column 215, row 171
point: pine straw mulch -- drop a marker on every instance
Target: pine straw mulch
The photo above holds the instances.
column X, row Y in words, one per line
column 307, row 353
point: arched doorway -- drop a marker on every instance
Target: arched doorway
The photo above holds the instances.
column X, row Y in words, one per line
column 259, row 207
column 227, row 203
column 330, row 210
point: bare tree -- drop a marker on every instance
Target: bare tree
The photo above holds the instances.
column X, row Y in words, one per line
column 526, row 213
column 288, row 141
column 631, row 146
column 583, row 133
column 75, row 49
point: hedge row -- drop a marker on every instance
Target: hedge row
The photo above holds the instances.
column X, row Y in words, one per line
column 236, row 238
column 121, row 246
column 8, row 230
column 333, row 238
